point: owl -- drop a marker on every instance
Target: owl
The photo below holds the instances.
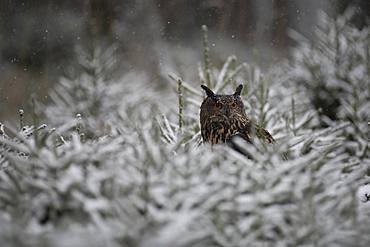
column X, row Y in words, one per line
column 223, row 117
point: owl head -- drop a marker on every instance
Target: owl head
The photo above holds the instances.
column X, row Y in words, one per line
column 222, row 105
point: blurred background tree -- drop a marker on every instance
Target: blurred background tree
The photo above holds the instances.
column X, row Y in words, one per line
column 38, row 38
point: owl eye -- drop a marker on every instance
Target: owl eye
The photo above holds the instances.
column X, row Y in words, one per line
column 218, row 105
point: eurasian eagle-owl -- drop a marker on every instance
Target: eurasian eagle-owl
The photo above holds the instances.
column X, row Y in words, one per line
column 223, row 116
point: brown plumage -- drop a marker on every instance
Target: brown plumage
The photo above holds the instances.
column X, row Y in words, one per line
column 223, row 116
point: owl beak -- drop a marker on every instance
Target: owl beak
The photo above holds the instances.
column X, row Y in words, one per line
column 226, row 111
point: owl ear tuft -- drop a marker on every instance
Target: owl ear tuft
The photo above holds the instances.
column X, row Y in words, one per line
column 238, row 90
column 208, row 91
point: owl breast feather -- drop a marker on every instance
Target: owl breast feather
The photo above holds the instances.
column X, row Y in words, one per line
column 218, row 131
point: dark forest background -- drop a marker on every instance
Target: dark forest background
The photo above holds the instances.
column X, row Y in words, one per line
column 39, row 39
